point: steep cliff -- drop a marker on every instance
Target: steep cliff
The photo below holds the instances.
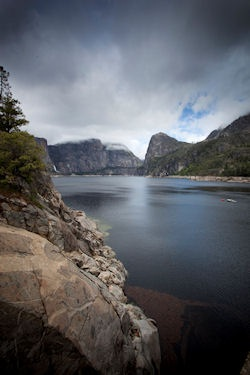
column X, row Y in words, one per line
column 42, row 142
column 160, row 145
column 63, row 309
column 225, row 152
column 93, row 157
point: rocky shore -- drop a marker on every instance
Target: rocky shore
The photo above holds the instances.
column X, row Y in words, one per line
column 219, row 178
column 209, row 178
column 214, row 178
column 63, row 307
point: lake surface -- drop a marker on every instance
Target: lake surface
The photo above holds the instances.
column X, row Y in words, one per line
column 175, row 236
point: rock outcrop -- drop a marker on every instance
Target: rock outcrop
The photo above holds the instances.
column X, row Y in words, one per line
column 42, row 142
column 161, row 145
column 63, row 308
column 93, row 157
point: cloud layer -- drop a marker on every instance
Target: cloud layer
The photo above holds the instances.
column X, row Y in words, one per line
column 123, row 70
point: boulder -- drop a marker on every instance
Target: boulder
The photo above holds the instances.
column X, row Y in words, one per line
column 55, row 318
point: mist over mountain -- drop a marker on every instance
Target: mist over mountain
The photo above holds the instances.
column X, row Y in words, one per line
column 225, row 152
column 93, row 157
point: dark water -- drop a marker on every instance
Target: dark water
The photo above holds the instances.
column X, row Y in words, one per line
column 179, row 237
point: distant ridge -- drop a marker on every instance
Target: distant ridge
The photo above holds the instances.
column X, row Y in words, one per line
column 225, row 152
column 91, row 156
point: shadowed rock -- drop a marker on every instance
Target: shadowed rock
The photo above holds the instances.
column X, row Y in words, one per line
column 63, row 308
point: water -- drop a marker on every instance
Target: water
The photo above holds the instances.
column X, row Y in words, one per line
column 175, row 236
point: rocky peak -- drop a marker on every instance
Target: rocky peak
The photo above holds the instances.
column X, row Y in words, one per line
column 214, row 134
column 161, row 144
column 239, row 126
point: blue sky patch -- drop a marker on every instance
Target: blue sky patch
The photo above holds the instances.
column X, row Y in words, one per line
column 197, row 108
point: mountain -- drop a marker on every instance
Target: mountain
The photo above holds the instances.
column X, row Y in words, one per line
column 225, row 152
column 161, row 145
column 93, row 157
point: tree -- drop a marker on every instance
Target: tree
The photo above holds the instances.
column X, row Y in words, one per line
column 11, row 114
column 20, row 158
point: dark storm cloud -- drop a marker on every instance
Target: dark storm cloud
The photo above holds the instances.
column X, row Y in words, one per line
column 14, row 16
column 100, row 66
column 181, row 38
column 159, row 32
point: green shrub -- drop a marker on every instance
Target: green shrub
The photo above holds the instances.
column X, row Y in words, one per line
column 20, row 158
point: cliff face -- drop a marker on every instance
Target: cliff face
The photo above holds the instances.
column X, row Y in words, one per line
column 93, row 157
column 161, row 146
column 63, row 309
column 225, row 152
column 47, row 160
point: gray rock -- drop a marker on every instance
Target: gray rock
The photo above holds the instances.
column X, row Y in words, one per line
column 43, row 291
column 62, row 287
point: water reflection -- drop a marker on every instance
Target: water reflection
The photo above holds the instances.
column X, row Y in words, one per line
column 181, row 238
column 179, row 232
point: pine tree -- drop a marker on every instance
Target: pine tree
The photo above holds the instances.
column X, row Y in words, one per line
column 21, row 158
column 11, row 115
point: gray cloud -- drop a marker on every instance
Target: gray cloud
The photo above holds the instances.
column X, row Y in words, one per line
column 123, row 70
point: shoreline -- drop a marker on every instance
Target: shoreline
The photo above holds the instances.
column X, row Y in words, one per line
column 212, row 178
column 238, row 179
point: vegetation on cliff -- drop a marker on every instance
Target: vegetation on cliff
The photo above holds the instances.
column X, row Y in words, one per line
column 221, row 157
column 20, row 155
column 224, row 153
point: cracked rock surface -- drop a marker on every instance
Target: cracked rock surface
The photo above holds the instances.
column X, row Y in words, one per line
column 63, row 308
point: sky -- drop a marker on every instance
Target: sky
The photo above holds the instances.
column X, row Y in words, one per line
column 123, row 70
